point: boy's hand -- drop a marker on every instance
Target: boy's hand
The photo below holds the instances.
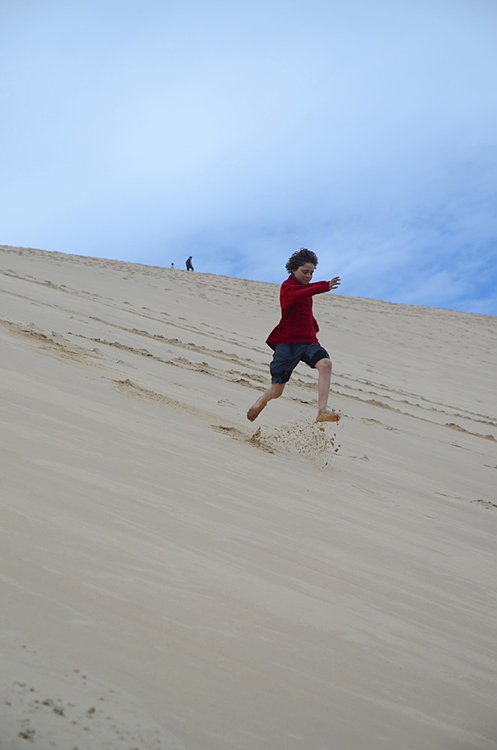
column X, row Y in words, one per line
column 334, row 283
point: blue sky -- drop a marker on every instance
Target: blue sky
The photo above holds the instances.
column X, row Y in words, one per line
column 239, row 131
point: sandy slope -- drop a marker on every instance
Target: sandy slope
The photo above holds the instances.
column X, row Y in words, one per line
column 173, row 576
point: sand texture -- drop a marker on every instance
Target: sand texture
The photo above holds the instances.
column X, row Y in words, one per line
column 174, row 577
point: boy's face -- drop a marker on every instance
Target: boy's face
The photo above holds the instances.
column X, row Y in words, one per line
column 304, row 273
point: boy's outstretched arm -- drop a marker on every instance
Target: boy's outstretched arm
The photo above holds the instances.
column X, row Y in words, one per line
column 295, row 293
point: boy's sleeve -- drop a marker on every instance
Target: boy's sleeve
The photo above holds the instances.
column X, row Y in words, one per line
column 293, row 293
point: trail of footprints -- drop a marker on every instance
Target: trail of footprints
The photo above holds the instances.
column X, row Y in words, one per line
column 245, row 371
column 348, row 387
column 93, row 716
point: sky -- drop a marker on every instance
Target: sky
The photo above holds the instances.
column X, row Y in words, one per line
column 238, row 131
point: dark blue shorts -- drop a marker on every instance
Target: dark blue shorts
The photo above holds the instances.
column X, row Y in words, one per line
column 287, row 356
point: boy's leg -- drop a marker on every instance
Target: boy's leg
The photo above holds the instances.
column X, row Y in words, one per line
column 274, row 391
column 285, row 358
column 323, row 366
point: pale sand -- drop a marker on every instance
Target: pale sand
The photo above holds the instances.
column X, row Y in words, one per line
column 205, row 583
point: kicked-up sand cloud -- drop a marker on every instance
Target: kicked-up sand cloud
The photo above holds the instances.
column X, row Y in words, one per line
column 174, row 576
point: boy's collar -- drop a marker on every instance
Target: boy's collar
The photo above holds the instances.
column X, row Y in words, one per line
column 295, row 279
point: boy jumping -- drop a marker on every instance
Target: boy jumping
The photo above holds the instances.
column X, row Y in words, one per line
column 294, row 338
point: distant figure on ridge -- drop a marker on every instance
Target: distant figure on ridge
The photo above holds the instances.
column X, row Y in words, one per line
column 172, row 265
column 294, row 338
column 189, row 265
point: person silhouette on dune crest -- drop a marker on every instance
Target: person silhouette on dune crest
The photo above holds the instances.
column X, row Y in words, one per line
column 294, row 338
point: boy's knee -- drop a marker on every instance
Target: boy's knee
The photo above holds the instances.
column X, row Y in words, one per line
column 324, row 364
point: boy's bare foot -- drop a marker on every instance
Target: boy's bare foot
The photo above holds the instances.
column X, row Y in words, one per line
column 254, row 411
column 328, row 416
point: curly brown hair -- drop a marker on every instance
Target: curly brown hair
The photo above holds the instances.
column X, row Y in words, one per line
column 299, row 258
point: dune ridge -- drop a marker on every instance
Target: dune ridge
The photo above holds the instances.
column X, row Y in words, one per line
column 222, row 584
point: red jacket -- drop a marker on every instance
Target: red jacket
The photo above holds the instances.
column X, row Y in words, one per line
column 297, row 324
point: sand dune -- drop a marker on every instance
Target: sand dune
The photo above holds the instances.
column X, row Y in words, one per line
column 174, row 576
